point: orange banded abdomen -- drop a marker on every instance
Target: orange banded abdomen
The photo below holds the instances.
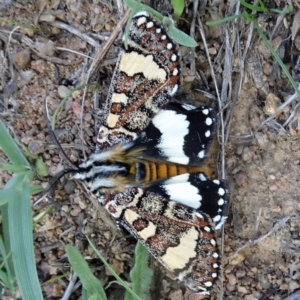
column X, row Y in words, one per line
column 150, row 171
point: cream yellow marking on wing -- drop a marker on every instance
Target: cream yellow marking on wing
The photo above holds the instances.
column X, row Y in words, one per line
column 169, row 210
column 130, row 216
column 178, row 257
column 148, row 231
column 119, row 98
column 132, row 63
column 112, row 120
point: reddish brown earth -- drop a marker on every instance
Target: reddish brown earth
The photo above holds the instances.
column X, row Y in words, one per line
column 261, row 237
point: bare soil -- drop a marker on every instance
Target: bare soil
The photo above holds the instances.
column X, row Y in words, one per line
column 261, row 237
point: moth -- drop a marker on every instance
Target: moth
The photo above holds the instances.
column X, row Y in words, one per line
column 146, row 171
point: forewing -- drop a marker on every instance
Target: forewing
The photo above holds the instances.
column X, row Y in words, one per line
column 181, row 238
column 146, row 76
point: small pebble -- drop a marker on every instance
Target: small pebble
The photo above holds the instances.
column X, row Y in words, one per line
column 62, row 91
column 230, row 287
column 70, row 186
column 293, row 285
column 36, row 147
column 250, row 297
column 242, row 289
column 21, row 59
column 231, row 279
column 265, row 284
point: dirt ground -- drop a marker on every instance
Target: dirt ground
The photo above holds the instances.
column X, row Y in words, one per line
column 261, row 237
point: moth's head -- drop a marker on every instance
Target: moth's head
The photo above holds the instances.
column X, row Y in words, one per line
column 102, row 175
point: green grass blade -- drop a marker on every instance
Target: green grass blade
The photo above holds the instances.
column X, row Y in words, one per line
column 84, row 294
column 178, row 7
column 21, row 240
column 95, row 297
column 81, row 268
column 5, row 279
column 177, row 35
column 10, row 148
column 140, row 274
column 111, row 270
column 276, row 56
column 7, row 264
column 253, row 7
column 35, row 189
column 222, row 21
column 13, row 168
column 5, row 243
column 5, row 195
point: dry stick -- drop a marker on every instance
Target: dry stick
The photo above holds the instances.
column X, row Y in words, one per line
column 222, row 130
column 242, row 72
column 69, row 289
column 279, row 109
column 291, row 115
column 74, row 31
column 218, row 97
column 277, row 226
column 102, row 51
column 73, row 51
column 27, row 41
column 120, row 7
column 295, row 296
column 98, row 57
column 37, row 16
column 192, row 33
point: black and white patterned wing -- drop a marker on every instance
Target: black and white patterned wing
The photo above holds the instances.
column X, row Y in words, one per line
column 146, row 77
column 179, row 237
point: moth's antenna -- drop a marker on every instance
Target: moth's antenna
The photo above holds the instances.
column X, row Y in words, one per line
column 61, row 149
column 54, row 136
column 53, row 182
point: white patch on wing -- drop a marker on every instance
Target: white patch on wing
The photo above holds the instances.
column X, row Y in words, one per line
column 208, row 121
column 150, row 24
column 221, row 191
column 118, row 98
column 141, row 13
column 141, row 21
column 220, row 224
column 187, row 106
column 221, row 202
column 207, row 133
column 180, row 190
column 217, row 218
column 178, row 257
column 112, row 120
column 201, row 154
column 174, row 57
column 174, row 90
column 173, row 128
column 133, row 63
column 205, row 111
column 148, row 231
column 130, row 216
column 202, row 177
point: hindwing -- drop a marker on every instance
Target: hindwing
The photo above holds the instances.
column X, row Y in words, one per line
column 178, row 135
